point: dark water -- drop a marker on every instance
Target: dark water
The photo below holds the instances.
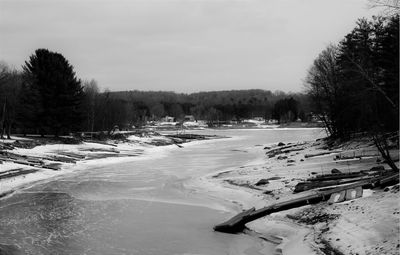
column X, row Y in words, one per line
column 141, row 207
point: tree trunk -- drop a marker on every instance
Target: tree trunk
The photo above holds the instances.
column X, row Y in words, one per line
column 381, row 144
column 9, row 131
column 3, row 118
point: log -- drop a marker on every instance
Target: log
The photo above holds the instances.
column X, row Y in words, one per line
column 304, row 186
column 101, row 150
column 100, row 142
column 325, row 177
column 320, row 154
column 16, row 172
column 71, row 155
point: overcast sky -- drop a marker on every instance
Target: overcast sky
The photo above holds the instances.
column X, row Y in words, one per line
column 180, row 45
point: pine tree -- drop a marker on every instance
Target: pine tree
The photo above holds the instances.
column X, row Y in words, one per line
column 58, row 94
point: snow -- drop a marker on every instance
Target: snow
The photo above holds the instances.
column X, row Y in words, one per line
column 139, row 148
column 371, row 226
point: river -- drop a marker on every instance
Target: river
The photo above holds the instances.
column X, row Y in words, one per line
column 145, row 206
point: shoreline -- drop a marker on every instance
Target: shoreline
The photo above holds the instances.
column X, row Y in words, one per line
column 280, row 173
column 64, row 159
column 290, row 231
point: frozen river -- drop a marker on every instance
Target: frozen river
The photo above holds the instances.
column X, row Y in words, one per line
column 147, row 206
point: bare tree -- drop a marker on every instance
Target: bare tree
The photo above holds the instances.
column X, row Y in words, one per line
column 91, row 91
column 10, row 85
column 388, row 7
column 322, row 85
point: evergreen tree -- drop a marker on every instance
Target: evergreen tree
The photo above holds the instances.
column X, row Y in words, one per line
column 58, row 94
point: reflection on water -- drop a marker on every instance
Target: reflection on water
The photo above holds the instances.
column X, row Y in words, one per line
column 141, row 207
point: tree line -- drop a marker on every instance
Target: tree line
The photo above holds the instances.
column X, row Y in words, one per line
column 46, row 97
column 354, row 85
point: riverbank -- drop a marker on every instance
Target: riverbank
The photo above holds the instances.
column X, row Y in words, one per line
column 368, row 225
column 25, row 161
column 260, row 171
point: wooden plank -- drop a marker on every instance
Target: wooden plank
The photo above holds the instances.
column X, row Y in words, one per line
column 337, row 197
column 234, row 222
column 16, row 172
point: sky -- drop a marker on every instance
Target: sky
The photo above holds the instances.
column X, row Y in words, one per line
column 180, row 45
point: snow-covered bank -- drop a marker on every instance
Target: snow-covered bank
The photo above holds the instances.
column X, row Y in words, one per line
column 25, row 167
column 368, row 225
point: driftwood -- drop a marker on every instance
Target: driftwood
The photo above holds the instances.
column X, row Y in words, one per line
column 100, row 142
column 338, row 179
column 16, row 172
column 326, row 177
column 52, row 166
column 320, row 154
column 304, row 186
column 61, row 159
column 237, row 223
column 112, row 150
column 71, row 155
column 188, row 136
column 35, row 161
column 6, row 146
column 284, row 149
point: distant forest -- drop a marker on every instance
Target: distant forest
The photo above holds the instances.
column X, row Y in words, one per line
column 48, row 98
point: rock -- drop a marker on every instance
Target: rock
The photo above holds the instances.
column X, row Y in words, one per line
column 281, row 144
column 291, row 161
column 262, row 182
column 314, row 173
column 336, row 171
column 282, row 157
column 267, row 148
column 301, row 160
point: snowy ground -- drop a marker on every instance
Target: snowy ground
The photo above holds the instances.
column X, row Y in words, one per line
column 368, row 225
column 86, row 153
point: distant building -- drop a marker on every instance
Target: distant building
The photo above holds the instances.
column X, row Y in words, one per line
column 189, row 118
column 168, row 119
column 259, row 118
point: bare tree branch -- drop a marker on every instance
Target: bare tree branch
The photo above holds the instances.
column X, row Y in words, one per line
column 389, row 7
